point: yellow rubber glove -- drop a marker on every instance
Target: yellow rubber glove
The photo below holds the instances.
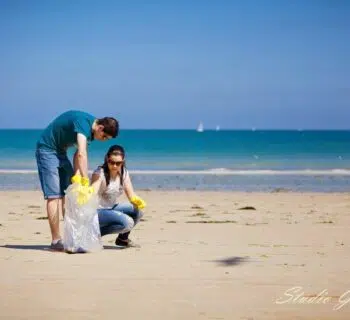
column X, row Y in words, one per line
column 85, row 181
column 76, row 179
column 83, row 193
column 138, row 202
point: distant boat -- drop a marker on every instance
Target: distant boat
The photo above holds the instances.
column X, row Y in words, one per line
column 253, row 129
column 217, row 128
column 200, row 127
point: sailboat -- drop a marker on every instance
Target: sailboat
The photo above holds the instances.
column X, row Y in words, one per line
column 200, row 127
column 217, row 128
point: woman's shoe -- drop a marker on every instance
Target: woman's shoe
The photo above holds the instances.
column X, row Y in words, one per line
column 123, row 244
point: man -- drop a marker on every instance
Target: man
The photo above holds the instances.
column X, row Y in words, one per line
column 55, row 170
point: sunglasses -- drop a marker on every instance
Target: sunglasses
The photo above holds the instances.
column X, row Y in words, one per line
column 115, row 163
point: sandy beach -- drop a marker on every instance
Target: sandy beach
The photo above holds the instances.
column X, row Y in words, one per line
column 203, row 255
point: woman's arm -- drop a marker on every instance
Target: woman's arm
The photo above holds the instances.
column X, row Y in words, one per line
column 128, row 188
column 96, row 180
column 95, row 177
column 130, row 193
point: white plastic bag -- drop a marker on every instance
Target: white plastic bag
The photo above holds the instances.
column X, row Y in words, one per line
column 81, row 226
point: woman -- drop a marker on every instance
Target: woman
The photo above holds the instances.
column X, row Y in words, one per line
column 117, row 217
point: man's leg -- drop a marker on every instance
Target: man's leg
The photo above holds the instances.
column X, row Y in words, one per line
column 62, row 206
column 48, row 168
column 66, row 173
column 52, row 207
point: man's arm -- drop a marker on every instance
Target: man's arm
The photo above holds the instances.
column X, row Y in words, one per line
column 81, row 158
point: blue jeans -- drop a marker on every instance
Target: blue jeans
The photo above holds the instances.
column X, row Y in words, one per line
column 55, row 172
column 119, row 219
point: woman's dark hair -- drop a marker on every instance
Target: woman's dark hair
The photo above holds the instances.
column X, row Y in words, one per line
column 114, row 150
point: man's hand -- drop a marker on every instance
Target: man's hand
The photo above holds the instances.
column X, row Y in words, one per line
column 76, row 179
column 84, row 181
column 83, row 191
column 138, row 202
column 83, row 194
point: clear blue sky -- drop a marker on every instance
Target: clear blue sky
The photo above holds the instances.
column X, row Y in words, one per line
column 168, row 64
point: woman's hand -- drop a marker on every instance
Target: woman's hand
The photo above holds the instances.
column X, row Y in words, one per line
column 138, row 202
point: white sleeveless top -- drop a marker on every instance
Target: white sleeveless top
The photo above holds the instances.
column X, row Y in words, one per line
column 108, row 195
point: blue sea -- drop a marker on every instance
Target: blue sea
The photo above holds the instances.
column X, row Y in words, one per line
column 259, row 160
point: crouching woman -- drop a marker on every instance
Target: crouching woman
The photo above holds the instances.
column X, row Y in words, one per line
column 114, row 217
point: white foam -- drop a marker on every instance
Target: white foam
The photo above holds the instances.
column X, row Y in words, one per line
column 218, row 171
column 15, row 171
column 332, row 172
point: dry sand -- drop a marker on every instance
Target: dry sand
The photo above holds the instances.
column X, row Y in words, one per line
column 200, row 258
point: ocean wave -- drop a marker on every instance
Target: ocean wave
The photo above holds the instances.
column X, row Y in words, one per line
column 218, row 171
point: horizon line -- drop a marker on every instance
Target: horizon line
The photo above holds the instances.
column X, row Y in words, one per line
column 209, row 129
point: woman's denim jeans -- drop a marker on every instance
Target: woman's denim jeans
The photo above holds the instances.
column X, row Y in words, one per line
column 119, row 219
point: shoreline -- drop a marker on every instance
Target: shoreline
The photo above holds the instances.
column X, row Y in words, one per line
column 244, row 183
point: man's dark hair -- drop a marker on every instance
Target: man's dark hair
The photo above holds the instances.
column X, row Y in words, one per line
column 111, row 126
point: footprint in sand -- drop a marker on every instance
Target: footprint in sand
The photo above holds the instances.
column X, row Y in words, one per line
column 197, row 207
column 247, row 208
column 212, row 221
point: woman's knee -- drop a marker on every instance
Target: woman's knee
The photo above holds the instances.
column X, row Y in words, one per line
column 126, row 208
column 130, row 210
column 128, row 223
column 135, row 213
column 138, row 215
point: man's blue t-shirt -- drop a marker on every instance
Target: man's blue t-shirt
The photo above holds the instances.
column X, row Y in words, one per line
column 62, row 132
